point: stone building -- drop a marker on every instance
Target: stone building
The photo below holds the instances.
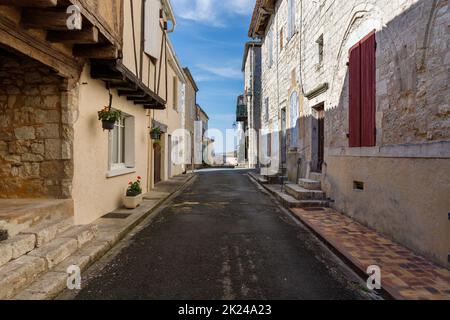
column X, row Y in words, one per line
column 373, row 117
column 251, row 67
column 190, row 116
column 55, row 158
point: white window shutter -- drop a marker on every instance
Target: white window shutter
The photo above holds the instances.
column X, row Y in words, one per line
column 152, row 29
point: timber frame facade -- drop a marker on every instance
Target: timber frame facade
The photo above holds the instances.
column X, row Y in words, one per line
column 53, row 80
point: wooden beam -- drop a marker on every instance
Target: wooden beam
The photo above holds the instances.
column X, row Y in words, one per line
column 24, row 42
column 106, row 52
column 45, row 19
column 30, row 3
column 86, row 36
column 155, row 106
column 137, row 97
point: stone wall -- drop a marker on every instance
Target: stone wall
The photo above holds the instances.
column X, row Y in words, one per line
column 35, row 135
column 282, row 78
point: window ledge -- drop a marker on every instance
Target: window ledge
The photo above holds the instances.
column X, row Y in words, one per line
column 120, row 172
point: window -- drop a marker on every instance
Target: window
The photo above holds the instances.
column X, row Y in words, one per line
column 270, row 48
column 362, row 90
column 293, row 117
column 281, row 39
column 121, row 145
column 320, row 47
column 175, row 93
column 266, row 109
column 291, row 18
column 152, row 29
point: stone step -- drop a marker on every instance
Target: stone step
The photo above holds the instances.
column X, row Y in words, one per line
column 315, row 176
column 289, row 201
column 16, row 247
column 20, row 273
column 32, row 238
column 48, row 231
column 56, row 251
column 300, row 193
column 52, row 283
column 310, row 184
column 18, row 215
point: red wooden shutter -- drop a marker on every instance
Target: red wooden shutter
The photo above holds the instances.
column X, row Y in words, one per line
column 355, row 97
column 368, row 90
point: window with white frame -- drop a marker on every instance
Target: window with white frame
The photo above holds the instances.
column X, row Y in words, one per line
column 270, row 48
column 121, row 145
column 291, row 18
column 320, row 49
column 293, row 116
column 266, row 109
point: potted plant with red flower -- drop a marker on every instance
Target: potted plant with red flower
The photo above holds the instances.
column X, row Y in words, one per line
column 134, row 196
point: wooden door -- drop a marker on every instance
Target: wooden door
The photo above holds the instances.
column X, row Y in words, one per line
column 157, row 163
column 321, row 139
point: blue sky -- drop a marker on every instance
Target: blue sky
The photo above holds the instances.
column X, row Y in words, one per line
column 209, row 39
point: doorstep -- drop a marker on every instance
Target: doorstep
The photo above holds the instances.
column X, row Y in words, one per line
column 404, row 275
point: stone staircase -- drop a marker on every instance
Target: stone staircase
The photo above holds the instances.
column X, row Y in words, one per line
column 306, row 194
column 33, row 263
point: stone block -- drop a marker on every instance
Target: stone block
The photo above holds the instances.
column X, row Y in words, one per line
column 46, row 288
column 31, row 157
column 5, row 253
column 38, row 148
column 48, row 131
column 25, row 133
column 52, row 149
column 83, row 234
column 21, row 245
column 18, row 273
column 52, row 169
column 56, row 251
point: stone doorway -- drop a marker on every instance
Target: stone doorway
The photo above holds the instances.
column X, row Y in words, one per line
column 318, row 138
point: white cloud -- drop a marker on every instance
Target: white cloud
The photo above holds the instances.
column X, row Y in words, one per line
column 229, row 72
column 213, row 12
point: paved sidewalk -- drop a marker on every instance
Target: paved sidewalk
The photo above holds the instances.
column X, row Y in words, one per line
column 405, row 275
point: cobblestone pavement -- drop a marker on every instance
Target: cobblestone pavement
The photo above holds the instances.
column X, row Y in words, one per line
column 404, row 274
column 222, row 238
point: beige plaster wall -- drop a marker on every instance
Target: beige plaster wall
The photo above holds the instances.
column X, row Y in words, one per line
column 407, row 199
column 95, row 194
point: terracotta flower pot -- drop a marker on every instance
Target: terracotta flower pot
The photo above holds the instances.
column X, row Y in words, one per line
column 133, row 202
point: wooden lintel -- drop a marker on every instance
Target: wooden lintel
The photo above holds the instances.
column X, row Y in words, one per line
column 88, row 35
column 45, row 19
column 30, row 3
column 107, row 52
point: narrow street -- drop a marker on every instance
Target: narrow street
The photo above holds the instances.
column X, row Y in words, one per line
column 221, row 238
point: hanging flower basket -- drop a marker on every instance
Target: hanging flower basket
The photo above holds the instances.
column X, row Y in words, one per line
column 108, row 125
column 109, row 118
column 155, row 134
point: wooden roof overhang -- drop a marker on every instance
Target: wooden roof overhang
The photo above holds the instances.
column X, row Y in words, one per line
column 261, row 16
column 117, row 76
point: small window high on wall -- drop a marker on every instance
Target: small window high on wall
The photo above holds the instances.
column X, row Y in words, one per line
column 362, row 93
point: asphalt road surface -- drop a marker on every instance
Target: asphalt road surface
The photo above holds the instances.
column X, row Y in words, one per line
column 221, row 238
